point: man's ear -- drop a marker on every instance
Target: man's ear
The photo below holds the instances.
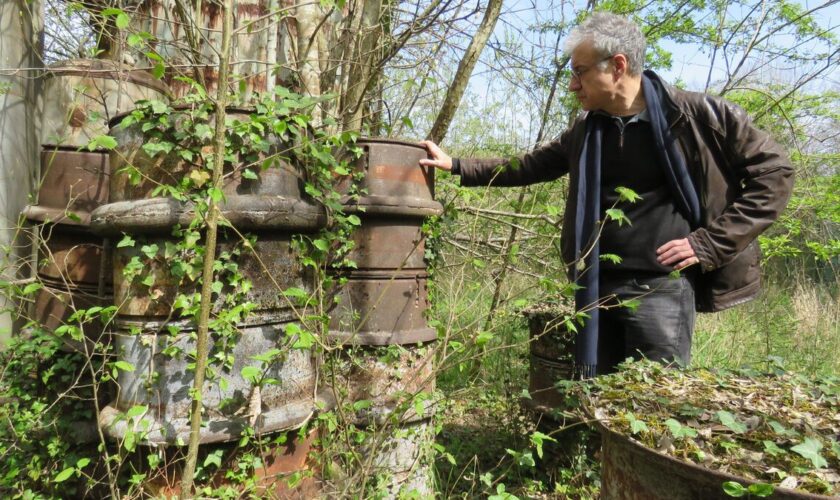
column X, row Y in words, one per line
column 620, row 64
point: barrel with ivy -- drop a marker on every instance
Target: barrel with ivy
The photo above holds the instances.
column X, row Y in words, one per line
column 261, row 374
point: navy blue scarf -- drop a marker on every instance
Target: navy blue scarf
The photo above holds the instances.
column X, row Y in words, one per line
column 588, row 213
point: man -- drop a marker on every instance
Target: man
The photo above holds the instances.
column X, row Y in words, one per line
column 709, row 182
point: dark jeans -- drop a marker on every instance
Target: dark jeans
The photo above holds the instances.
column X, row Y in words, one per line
column 660, row 328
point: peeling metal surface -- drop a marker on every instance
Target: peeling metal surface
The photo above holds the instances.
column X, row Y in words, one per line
column 271, row 267
column 394, row 382
column 631, row 471
column 252, row 57
column 80, row 96
column 163, row 383
column 378, row 309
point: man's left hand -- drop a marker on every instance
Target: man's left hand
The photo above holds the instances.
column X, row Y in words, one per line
column 677, row 253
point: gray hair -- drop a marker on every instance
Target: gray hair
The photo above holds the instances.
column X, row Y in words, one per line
column 610, row 34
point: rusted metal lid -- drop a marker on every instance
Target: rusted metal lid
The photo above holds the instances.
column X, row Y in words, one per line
column 106, row 69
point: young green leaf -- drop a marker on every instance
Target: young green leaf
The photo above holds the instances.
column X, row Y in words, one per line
column 734, row 489
column 731, row 422
column 810, row 449
column 64, row 475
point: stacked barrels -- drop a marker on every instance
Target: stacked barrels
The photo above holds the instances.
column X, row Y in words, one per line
column 154, row 336
column 386, row 370
column 78, row 98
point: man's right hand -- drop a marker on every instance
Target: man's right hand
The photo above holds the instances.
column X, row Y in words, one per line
column 438, row 159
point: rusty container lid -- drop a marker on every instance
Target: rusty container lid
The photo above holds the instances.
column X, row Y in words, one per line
column 80, row 95
column 394, row 181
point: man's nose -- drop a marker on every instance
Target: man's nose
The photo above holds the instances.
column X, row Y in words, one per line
column 574, row 84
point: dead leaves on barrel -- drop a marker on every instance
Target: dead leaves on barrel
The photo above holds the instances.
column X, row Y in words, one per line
column 782, row 429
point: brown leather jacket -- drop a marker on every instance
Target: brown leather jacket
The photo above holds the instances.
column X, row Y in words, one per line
column 743, row 178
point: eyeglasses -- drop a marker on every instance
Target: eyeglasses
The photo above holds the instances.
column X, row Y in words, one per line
column 579, row 71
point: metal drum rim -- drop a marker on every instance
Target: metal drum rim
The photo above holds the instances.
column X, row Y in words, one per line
column 41, row 214
column 387, row 140
column 243, row 212
column 374, row 338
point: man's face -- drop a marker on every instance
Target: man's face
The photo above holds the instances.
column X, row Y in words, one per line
column 595, row 87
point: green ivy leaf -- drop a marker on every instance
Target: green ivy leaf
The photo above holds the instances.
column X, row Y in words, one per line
column 64, row 475
column 810, row 449
column 617, row 215
column 102, row 142
column 124, row 366
column 158, row 70
column 761, row 489
column 122, row 20
column 678, row 430
column 130, row 441
column 734, row 489
column 772, row 449
column 251, row 373
column 627, row 194
column 731, row 422
column 136, row 411
column 537, row 439
column 126, row 241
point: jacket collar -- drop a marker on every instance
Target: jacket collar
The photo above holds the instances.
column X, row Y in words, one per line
column 666, row 95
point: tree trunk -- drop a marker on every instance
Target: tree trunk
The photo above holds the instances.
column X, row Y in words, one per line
column 21, row 26
column 465, row 69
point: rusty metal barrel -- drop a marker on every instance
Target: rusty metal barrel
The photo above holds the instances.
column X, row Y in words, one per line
column 153, row 333
column 386, row 370
column 78, row 98
column 552, row 357
column 631, row 471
